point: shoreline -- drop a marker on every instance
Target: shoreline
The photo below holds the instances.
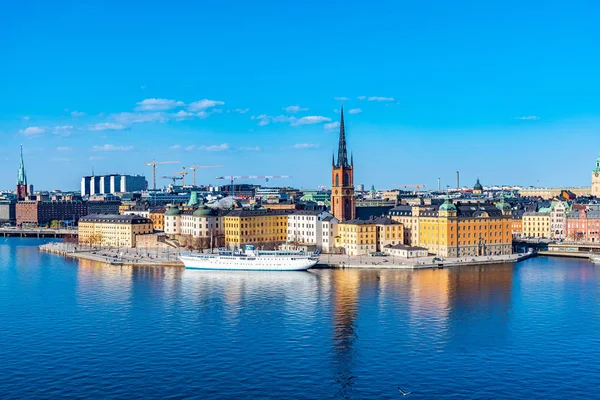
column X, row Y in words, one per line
column 167, row 257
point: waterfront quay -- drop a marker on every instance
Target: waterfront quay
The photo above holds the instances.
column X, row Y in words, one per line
column 38, row 232
column 168, row 257
column 150, row 257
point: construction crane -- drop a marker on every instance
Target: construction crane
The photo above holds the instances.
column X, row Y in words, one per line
column 418, row 186
column 195, row 167
column 183, row 174
column 173, row 178
column 153, row 164
column 265, row 177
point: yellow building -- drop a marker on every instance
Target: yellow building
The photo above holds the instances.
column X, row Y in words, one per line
column 361, row 237
column 466, row 229
column 258, row 227
column 536, row 224
column 112, row 230
column 158, row 219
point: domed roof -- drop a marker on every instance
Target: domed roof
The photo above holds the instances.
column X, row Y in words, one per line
column 447, row 206
column 202, row 211
column 478, row 186
column 503, row 205
column 173, row 210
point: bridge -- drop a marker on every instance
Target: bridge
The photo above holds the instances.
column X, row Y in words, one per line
column 569, row 249
column 38, row 232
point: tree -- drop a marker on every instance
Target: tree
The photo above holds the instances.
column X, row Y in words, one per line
column 54, row 224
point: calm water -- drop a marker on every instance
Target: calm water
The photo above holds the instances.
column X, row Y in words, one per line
column 84, row 330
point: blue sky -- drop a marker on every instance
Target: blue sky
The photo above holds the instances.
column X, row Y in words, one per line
column 504, row 90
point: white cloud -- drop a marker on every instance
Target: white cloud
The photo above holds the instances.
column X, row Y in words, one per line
column 175, row 147
column 181, row 115
column 376, row 98
column 77, row 114
column 136, row 118
column 204, row 104
column 61, row 159
column 294, row 109
column 158, row 104
column 112, row 147
column 32, row 131
column 190, row 147
column 106, row 126
column 355, row 111
column 362, row 97
column 341, row 98
column 311, row 119
column 332, row 126
column 64, row 130
column 529, row 118
column 305, row 146
column 255, row 148
column 215, row 147
column 63, row 148
column 241, row 110
column 26, row 118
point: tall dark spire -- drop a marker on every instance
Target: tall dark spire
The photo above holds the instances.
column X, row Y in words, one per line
column 342, row 160
column 22, row 176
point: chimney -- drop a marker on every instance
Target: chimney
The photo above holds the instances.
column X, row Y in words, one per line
column 457, row 181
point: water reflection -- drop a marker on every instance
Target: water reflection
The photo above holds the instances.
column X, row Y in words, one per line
column 346, row 287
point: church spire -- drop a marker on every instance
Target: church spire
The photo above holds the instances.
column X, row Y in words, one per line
column 342, row 160
column 22, row 176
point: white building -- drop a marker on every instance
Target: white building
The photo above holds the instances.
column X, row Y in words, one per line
column 404, row 251
column 202, row 222
column 317, row 228
column 558, row 219
column 114, row 183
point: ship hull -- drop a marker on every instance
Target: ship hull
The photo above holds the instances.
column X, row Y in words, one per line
column 244, row 264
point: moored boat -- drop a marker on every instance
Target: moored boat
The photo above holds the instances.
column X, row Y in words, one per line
column 250, row 259
column 595, row 259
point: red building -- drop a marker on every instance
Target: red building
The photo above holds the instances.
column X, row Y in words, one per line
column 42, row 213
column 343, row 202
column 584, row 225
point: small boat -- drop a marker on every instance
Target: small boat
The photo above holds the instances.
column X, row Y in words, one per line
column 250, row 259
column 595, row 259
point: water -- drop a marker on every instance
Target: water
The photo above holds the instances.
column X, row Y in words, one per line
column 84, row 330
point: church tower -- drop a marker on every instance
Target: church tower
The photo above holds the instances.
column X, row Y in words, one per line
column 343, row 203
column 21, row 180
column 596, row 179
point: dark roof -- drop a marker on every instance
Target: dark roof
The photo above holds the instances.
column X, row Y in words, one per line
column 306, row 212
column 401, row 210
column 328, row 218
column 518, row 214
column 385, row 221
column 404, row 247
column 465, row 210
column 115, row 218
column 257, row 213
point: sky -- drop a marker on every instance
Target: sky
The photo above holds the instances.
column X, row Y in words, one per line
column 507, row 91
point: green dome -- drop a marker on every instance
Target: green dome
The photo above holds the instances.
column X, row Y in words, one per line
column 171, row 211
column 447, row 206
column 503, row 205
column 202, row 211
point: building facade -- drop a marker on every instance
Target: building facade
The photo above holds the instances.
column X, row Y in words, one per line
column 258, row 227
column 342, row 180
column 537, row 225
column 8, row 213
column 157, row 216
column 42, row 213
column 558, row 218
column 474, row 229
column 114, row 183
column 103, row 207
column 316, row 228
column 584, row 225
column 112, row 230
column 596, row 179
column 362, row 237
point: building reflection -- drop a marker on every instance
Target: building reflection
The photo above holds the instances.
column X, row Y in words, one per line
column 346, row 287
column 479, row 304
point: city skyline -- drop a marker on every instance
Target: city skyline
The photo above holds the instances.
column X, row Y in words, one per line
column 422, row 98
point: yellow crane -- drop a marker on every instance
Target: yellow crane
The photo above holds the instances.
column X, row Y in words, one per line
column 183, row 174
column 195, row 167
column 418, row 186
column 153, row 164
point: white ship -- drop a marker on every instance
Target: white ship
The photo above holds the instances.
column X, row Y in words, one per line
column 251, row 260
column 595, row 259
